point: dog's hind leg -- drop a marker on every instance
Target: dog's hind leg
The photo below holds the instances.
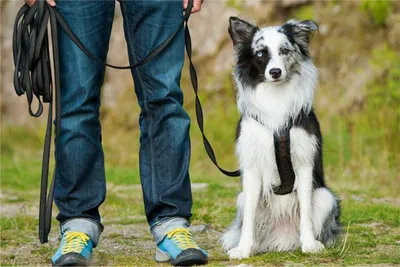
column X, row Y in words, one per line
column 231, row 238
column 251, row 191
column 325, row 218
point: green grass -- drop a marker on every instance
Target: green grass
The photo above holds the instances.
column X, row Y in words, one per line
column 371, row 226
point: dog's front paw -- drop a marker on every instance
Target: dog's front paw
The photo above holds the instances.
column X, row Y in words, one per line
column 239, row 253
column 313, row 246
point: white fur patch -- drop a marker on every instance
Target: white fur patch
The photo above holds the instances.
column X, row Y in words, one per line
column 273, row 104
column 255, row 150
column 274, row 40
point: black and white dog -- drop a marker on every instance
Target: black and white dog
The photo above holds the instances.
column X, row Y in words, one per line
column 276, row 80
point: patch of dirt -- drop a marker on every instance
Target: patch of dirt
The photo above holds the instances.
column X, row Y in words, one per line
column 18, row 209
column 387, row 200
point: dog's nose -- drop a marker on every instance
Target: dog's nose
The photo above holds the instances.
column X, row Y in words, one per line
column 275, row 73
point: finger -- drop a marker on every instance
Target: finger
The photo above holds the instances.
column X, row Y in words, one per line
column 196, row 6
column 30, row 2
column 51, row 3
column 185, row 4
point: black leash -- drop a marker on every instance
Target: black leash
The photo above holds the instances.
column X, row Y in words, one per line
column 32, row 77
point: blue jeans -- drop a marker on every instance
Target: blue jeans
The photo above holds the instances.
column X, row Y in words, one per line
column 164, row 154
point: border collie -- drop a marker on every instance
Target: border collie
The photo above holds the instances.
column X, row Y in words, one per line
column 276, row 79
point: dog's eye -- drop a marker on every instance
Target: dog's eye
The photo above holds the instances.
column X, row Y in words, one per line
column 260, row 54
column 285, row 51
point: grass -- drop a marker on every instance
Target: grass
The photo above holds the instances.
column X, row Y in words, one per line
column 371, row 218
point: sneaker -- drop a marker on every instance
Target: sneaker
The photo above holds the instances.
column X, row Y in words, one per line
column 75, row 250
column 179, row 248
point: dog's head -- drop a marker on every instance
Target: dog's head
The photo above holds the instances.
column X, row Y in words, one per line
column 271, row 54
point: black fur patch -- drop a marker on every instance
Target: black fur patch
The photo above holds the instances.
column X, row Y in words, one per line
column 299, row 33
column 239, row 128
column 249, row 68
column 311, row 125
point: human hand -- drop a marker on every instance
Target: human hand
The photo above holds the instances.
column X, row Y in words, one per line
column 32, row 2
column 196, row 5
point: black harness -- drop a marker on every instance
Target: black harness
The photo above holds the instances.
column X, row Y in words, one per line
column 32, row 77
column 283, row 159
column 284, row 162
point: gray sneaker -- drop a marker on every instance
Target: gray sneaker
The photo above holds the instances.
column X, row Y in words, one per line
column 179, row 248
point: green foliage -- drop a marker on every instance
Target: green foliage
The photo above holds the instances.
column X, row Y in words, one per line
column 384, row 92
column 378, row 10
column 237, row 4
column 378, row 121
column 304, row 12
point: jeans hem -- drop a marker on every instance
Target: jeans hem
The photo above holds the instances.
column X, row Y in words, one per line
column 81, row 224
column 160, row 228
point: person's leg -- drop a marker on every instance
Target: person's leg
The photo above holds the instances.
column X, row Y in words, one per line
column 164, row 124
column 80, row 180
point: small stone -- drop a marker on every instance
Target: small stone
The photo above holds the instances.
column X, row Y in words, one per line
column 323, row 29
column 199, row 186
column 199, row 228
column 292, row 3
column 337, row 9
column 357, row 198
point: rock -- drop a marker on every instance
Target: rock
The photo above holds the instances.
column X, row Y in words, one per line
column 14, row 109
column 323, row 29
column 199, row 228
column 210, row 26
column 292, row 3
column 199, row 186
column 394, row 33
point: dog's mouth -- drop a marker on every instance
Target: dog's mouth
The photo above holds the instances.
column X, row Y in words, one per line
column 277, row 80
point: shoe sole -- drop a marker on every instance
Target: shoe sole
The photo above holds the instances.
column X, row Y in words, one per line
column 71, row 259
column 191, row 257
column 189, row 262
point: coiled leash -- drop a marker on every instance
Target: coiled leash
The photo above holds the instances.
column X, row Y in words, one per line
column 32, row 77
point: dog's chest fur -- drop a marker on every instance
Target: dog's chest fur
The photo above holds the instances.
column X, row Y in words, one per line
column 255, row 149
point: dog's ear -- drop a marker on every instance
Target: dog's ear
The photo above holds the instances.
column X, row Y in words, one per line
column 240, row 31
column 300, row 32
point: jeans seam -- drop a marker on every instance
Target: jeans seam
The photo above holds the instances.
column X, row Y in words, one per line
column 146, row 108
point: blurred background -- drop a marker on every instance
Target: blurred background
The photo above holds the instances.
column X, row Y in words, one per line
column 357, row 100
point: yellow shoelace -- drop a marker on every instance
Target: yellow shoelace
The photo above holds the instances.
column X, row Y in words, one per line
column 182, row 237
column 74, row 242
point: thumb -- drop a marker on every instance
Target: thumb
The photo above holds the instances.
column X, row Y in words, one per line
column 51, row 3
